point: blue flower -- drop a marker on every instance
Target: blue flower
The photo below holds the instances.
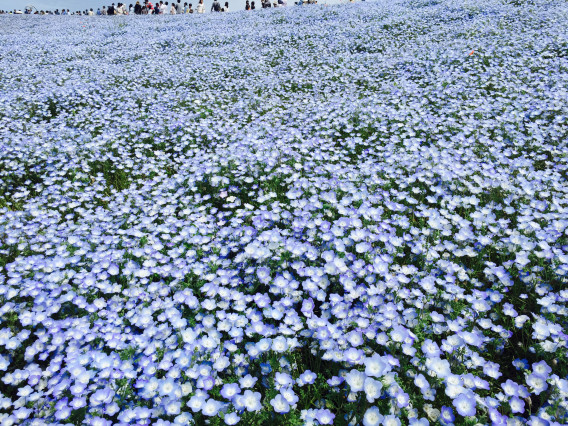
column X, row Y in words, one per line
column 372, row 417
column 229, row 390
column 231, row 418
column 306, row 378
column 465, row 405
column 537, row 383
column 447, row 416
column 521, row 364
column 265, row 368
column 324, row 416
column 280, row 404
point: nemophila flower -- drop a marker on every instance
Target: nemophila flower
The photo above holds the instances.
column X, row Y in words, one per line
column 471, row 338
column 408, row 350
column 78, row 403
column 517, row 405
column 510, row 388
column 496, row 417
column 391, row 420
column 247, row 381
column 372, row 417
column 492, row 370
column 280, row 404
column 231, row 418
column 402, row 399
column 63, row 413
column 447, row 416
column 335, row 381
column 263, row 274
column 541, row 368
column 306, row 378
column 440, row 367
column 308, row 307
column 101, row 396
column 376, row 366
column 264, row 345
column 183, row 418
column 196, row 403
column 211, row 407
column 521, row 320
column 99, row 421
column 279, row 344
column 538, row 421
column 265, row 368
column 167, row 387
column 283, row 379
column 492, row 402
column 421, row 382
column 521, row 364
column 353, row 356
column 324, row 416
column 356, row 380
column 536, row 383
column 541, row 330
column 419, row 422
column 112, row 409
column 289, row 395
column 203, row 382
column 430, row 348
column 372, row 389
column 172, row 407
column 355, row 338
column 465, row 404
column 250, row 400
column 4, row 363
column 398, row 334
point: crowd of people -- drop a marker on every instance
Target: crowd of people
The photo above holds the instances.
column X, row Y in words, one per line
column 159, row 8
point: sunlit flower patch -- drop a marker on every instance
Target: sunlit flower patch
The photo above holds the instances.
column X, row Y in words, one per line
column 325, row 215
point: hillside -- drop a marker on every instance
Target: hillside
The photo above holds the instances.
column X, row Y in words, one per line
column 352, row 214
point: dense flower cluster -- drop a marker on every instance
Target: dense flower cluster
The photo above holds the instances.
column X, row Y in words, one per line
column 344, row 215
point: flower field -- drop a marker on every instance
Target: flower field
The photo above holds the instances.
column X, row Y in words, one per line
column 354, row 214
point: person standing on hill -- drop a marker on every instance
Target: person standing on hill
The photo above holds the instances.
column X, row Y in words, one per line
column 216, row 6
column 179, row 7
column 200, row 7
